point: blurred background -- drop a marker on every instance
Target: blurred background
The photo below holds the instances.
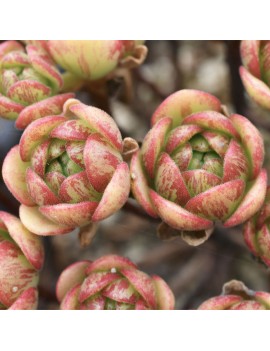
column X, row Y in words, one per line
column 193, row 273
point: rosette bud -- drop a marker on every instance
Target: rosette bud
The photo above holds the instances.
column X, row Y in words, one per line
column 257, row 232
column 94, row 59
column 111, row 283
column 68, row 170
column 29, row 83
column 197, row 166
column 236, row 296
column 21, row 257
column 255, row 73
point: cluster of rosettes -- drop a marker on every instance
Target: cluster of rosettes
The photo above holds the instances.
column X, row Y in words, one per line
column 236, row 296
column 68, row 170
column 111, row 283
column 198, row 165
column 21, row 257
column 255, row 74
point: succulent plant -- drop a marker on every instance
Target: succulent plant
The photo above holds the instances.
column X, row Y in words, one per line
column 94, row 59
column 68, row 170
column 257, row 231
column 197, row 166
column 29, row 83
column 21, row 257
column 255, row 73
column 111, row 283
column 236, row 296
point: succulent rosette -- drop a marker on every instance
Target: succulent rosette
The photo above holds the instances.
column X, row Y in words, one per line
column 255, row 73
column 236, row 296
column 21, row 257
column 111, row 283
column 68, row 170
column 29, row 83
column 95, row 59
column 257, row 231
column 197, row 166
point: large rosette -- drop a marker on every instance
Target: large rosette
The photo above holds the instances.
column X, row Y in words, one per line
column 68, row 170
column 197, row 166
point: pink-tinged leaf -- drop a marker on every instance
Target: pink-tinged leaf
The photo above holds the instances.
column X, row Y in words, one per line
column 36, row 223
column 75, row 151
column 16, row 272
column 198, row 181
column 95, row 282
column 143, row 284
column 251, row 203
column 177, row 217
column 29, row 243
column 220, row 302
column 165, row 297
column 218, row 142
column 183, row 103
column 8, row 108
column 115, row 194
column 28, row 300
column 47, row 70
column 8, row 78
column 214, row 121
column 263, row 241
column 180, row 136
column 100, row 122
column 39, row 158
column 256, row 89
column 250, row 51
column 14, row 172
column 47, row 107
column 70, row 277
column 121, row 291
column 36, row 133
column 169, row 182
column 8, row 46
column 94, row 303
column 57, row 148
column 153, row 143
column 235, row 164
column 72, row 130
column 54, row 181
column 15, row 59
column 263, row 298
column 101, row 161
column 247, row 305
column 110, row 262
column 39, row 190
column 139, row 185
column 71, row 215
column 249, row 232
column 252, row 142
column 213, row 165
column 218, row 202
column 183, row 157
column 27, row 92
column 76, row 188
column 70, row 300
